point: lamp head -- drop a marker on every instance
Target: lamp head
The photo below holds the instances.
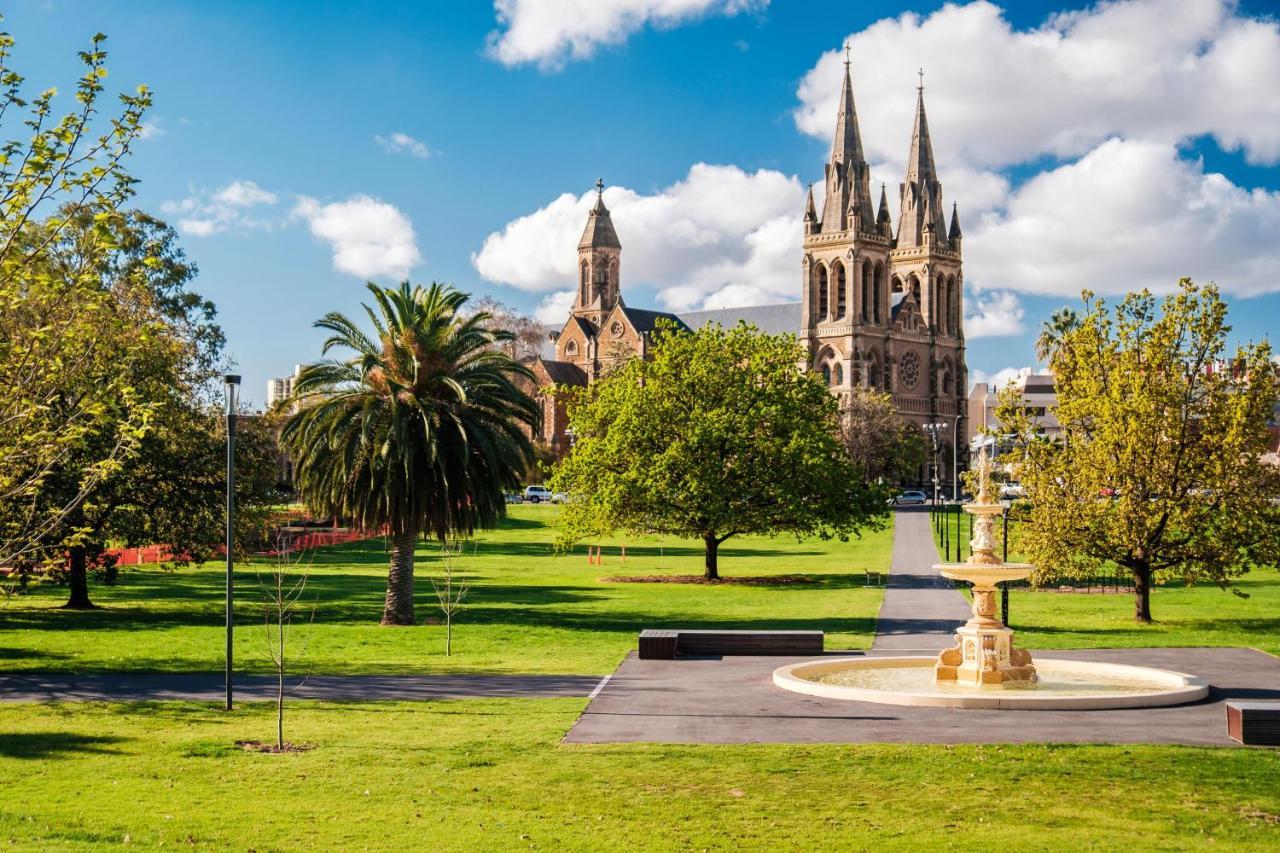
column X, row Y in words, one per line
column 232, row 382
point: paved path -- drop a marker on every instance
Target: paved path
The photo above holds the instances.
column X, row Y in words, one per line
column 39, row 687
column 733, row 700
column 921, row 609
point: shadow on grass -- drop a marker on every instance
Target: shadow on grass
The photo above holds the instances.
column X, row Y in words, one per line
column 46, row 745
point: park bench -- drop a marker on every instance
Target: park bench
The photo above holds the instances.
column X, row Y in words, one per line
column 668, row 643
column 1254, row 723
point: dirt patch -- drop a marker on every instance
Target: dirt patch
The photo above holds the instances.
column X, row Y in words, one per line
column 260, row 746
column 764, row 580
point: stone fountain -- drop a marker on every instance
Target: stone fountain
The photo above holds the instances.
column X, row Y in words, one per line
column 984, row 653
column 984, row 667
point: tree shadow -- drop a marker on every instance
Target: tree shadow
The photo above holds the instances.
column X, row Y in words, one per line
column 44, row 745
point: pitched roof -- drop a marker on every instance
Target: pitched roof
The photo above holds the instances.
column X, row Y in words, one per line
column 770, row 319
column 599, row 232
column 645, row 321
column 565, row 373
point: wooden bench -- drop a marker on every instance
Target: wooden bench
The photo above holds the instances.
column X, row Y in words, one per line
column 666, row 644
column 1254, row 723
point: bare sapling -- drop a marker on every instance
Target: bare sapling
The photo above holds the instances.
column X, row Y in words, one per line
column 450, row 589
column 282, row 590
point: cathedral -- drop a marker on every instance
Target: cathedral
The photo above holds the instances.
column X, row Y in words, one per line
column 880, row 307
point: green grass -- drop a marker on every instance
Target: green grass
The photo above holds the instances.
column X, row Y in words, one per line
column 1202, row 615
column 490, row 774
column 529, row 610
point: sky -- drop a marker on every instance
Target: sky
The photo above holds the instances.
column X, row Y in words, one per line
column 304, row 148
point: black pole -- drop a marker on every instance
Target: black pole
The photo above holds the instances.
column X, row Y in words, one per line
column 231, row 506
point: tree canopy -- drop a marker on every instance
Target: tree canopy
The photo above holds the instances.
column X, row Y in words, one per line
column 720, row 433
column 885, row 446
column 422, row 428
column 1160, row 465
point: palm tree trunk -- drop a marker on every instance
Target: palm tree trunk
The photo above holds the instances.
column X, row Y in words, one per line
column 399, row 606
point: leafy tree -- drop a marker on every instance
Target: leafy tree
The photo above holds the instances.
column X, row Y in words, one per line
column 1052, row 332
column 884, row 445
column 719, row 434
column 56, row 330
column 1160, row 468
column 422, row 429
column 525, row 335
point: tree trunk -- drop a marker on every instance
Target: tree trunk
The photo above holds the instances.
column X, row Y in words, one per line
column 1141, row 593
column 713, row 546
column 78, row 580
column 399, row 605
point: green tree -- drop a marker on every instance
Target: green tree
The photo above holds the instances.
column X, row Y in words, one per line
column 1052, row 332
column 1159, row 469
column 57, row 330
column 719, row 434
column 884, row 445
column 422, row 429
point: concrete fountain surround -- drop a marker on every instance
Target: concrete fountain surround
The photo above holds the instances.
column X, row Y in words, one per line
column 1181, row 687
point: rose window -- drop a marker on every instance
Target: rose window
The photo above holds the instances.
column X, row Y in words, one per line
column 909, row 370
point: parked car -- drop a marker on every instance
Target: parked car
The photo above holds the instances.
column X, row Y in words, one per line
column 513, row 498
column 541, row 494
column 1012, row 492
column 912, row 497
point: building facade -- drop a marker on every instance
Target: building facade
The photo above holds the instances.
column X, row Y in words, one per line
column 883, row 307
column 1038, row 396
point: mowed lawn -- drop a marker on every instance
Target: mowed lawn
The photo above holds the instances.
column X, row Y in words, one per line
column 492, row 775
column 1201, row 615
column 528, row 610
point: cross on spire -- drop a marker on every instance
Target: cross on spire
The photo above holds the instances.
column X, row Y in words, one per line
column 846, row 55
column 920, row 74
column 599, row 187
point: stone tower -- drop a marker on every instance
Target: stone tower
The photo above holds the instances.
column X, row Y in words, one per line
column 880, row 309
column 599, row 256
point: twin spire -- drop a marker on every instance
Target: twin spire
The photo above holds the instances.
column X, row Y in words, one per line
column 847, row 203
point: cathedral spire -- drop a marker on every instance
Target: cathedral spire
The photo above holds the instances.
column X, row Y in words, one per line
column 884, row 223
column 920, row 166
column 847, row 172
column 810, row 213
column 954, row 234
column 599, row 231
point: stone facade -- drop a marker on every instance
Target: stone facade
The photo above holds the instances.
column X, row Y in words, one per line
column 880, row 308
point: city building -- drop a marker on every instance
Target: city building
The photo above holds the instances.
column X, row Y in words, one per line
column 1038, row 397
column 880, row 308
column 281, row 388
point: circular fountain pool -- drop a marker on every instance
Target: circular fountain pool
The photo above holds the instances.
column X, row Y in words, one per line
column 1063, row 684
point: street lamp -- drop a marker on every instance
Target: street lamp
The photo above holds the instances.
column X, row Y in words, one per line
column 233, row 406
column 933, row 429
column 571, row 434
column 955, row 461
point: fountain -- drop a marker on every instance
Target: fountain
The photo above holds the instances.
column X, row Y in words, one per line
column 984, row 669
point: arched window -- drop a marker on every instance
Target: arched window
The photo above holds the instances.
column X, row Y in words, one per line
column 582, row 285
column 915, row 288
column 873, row 370
column 940, row 304
column 838, row 376
column 824, row 302
column 877, row 292
column 841, row 297
column 953, row 306
column 571, row 348
column 867, row 293
column 826, row 373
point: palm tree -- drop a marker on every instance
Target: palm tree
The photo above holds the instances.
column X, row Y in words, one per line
column 1058, row 326
column 421, row 430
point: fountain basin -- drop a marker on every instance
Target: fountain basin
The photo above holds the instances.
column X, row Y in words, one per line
column 1063, row 685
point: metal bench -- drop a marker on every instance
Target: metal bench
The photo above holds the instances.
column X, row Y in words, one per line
column 667, row 644
column 1254, row 723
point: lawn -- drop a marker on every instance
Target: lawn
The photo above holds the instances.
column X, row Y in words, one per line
column 1202, row 615
column 529, row 609
column 491, row 774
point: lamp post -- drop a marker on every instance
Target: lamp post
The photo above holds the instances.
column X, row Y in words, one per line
column 955, row 461
column 933, row 429
column 233, row 405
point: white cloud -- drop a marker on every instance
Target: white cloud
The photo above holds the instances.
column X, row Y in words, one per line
column 1001, row 377
column 1125, row 216
column 554, row 307
column 203, row 214
column 151, row 130
column 1154, row 70
column 403, row 143
column 370, row 238
column 998, row 314
column 720, row 236
column 552, row 32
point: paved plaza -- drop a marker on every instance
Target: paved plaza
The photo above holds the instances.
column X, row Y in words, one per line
column 733, row 699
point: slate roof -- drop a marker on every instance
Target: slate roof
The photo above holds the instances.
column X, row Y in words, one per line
column 771, row 319
column 645, row 321
column 564, row 372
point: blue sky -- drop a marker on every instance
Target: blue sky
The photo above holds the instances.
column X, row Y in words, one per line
column 1081, row 150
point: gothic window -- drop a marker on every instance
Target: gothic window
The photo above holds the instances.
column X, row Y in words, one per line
column 838, row 376
column 840, row 291
column 867, row 294
column 953, row 306
column 824, row 304
column 909, row 370
column 571, row 348
column 915, row 289
column 940, row 316
column 873, row 370
column 826, row 373
column 582, row 285
column 877, row 291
